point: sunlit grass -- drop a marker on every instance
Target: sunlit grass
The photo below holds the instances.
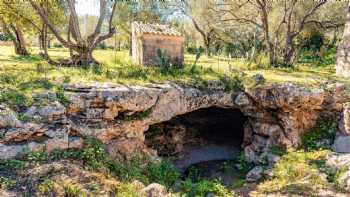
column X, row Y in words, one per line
column 121, row 69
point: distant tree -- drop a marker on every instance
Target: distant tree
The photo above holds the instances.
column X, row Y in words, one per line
column 281, row 22
column 81, row 47
column 204, row 20
column 146, row 11
column 14, row 21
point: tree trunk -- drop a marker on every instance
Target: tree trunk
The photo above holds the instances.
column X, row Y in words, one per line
column 43, row 42
column 288, row 51
column 268, row 43
column 207, row 46
column 18, row 41
column 343, row 52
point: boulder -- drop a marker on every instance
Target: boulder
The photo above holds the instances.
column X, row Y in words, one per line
column 8, row 118
column 154, row 190
column 255, row 174
column 342, row 144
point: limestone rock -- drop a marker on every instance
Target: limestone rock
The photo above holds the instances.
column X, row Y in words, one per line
column 154, row 190
column 8, row 118
column 342, row 144
column 26, row 132
column 50, row 112
column 254, row 174
column 242, row 100
column 344, row 124
column 338, row 161
column 126, row 148
column 75, row 143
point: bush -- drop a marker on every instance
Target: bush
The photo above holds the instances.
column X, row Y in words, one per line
column 163, row 173
column 204, row 187
column 321, row 136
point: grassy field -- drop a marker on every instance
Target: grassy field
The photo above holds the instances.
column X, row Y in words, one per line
column 118, row 67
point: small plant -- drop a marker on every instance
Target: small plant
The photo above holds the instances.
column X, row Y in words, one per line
column 94, row 186
column 278, row 150
column 46, row 187
column 12, row 164
column 203, row 188
column 61, row 97
column 7, row 183
column 93, row 154
column 71, row 190
column 164, row 173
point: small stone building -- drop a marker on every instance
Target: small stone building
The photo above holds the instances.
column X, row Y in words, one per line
column 154, row 43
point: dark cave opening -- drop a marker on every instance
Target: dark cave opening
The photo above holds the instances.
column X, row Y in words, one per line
column 208, row 134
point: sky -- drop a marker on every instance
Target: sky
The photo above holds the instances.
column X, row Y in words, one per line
column 87, row 7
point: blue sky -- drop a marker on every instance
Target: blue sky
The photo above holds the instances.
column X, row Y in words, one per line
column 90, row 7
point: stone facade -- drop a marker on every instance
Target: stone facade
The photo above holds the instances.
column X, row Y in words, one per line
column 148, row 39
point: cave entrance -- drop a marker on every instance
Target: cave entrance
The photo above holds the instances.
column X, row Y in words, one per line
column 204, row 135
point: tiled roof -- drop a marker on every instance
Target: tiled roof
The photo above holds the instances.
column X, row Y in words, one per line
column 155, row 29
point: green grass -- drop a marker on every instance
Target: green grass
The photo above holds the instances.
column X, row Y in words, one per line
column 297, row 173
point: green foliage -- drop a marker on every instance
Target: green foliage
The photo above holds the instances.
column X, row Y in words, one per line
column 12, row 164
column 71, row 190
column 325, row 129
column 203, row 187
column 7, row 183
column 126, row 190
column 278, row 150
column 93, row 154
column 14, row 98
column 133, row 170
column 61, row 97
column 46, row 187
column 323, row 57
column 298, row 173
column 164, row 173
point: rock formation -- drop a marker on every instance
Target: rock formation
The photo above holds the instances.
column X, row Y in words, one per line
column 119, row 116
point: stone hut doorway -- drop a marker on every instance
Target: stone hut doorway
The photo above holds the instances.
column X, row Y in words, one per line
column 207, row 134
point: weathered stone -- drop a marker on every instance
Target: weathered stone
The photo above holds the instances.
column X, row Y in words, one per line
column 342, row 144
column 75, row 143
column 338, row 161
column 254, row 174
column 344, row 124
column 28, row 131
column 8, row 118
column 242, row 100
column 154, row 190
column 50, row 112
column 126, row 148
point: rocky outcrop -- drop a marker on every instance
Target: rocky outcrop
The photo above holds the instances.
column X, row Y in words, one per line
column 120, row 115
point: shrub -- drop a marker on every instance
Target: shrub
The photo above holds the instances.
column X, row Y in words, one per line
column 72, row 191
column 7, row 183
column 324, row 130
column 163, row 173
column 203, row 188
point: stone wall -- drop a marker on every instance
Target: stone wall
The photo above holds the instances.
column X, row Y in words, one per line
column 119, row 116
column 145, row 46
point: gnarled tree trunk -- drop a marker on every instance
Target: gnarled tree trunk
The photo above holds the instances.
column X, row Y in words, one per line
column 18, row 39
